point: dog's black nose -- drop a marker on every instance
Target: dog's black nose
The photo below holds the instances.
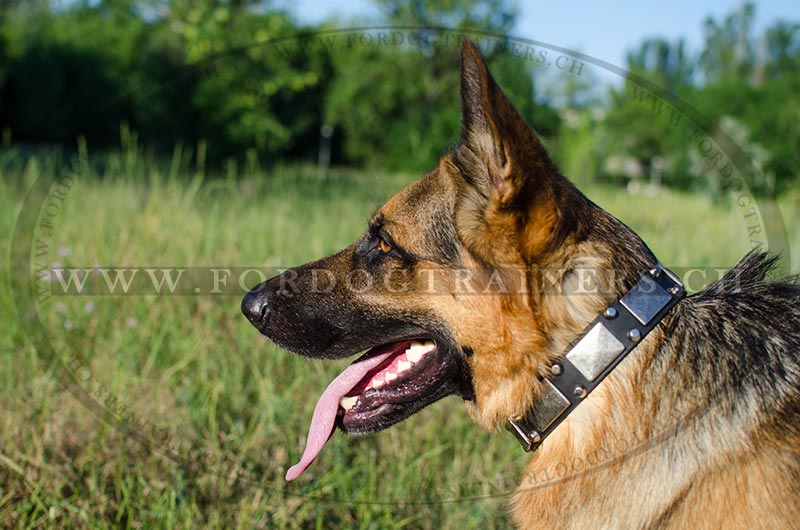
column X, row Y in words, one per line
column 255, row 306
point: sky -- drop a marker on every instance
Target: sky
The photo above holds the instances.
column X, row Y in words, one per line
column 604, row 30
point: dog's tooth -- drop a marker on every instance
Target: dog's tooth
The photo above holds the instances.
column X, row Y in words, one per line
column 348, row 402
column 415, row 346
column 415, row 355
column 402, row 366
column 390, row 376
column 418, row 349
column 378, row 381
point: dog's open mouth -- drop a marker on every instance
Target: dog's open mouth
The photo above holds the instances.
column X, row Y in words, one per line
column 384, row 386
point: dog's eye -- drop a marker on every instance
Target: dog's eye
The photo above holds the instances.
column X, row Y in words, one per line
column 385, row 247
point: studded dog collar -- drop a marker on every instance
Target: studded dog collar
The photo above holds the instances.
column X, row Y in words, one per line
column 606, row 341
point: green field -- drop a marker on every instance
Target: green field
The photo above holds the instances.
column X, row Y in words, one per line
column 228, row 409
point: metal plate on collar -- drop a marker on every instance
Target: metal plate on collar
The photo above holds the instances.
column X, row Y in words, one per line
column 645, row 299
column 595, row 351
column 548, row 407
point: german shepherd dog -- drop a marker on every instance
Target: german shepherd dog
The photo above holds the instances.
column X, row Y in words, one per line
column 471, row 282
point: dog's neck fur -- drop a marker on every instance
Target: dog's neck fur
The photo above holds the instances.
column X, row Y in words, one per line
column 575, row 453
column 641, row 425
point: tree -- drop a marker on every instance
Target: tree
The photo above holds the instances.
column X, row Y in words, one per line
column 667, row 64
column 174, row 70
column 497, row 16
column 238, row 92
column 729, row 53
column 782, row 43
column 396, row 106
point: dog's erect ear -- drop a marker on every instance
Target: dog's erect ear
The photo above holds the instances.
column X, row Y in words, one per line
column 494, row 136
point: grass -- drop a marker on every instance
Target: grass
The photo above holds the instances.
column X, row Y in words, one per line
column 222, row 411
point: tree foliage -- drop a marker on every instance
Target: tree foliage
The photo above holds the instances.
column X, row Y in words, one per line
column 243, row 79
column 174, row 71
column 747, row 85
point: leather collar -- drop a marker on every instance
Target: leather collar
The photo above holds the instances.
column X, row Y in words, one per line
column 605, row 342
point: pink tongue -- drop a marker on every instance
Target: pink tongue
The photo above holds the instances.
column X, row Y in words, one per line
column 324, row 417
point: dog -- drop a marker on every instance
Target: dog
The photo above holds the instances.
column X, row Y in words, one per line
column 483, row 280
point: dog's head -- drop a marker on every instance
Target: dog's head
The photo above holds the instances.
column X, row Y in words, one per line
column 469, row 281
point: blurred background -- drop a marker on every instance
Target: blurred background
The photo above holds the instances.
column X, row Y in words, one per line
column 258, row 135
column 226, row 82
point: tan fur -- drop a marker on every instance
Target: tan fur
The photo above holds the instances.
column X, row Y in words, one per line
column 587, row 474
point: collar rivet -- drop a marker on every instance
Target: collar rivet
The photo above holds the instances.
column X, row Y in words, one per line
column 610, row 313
column 556, row 369
column 579, row 392
column 635, row 335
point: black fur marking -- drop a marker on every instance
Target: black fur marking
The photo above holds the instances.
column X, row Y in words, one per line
column 739, row 340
